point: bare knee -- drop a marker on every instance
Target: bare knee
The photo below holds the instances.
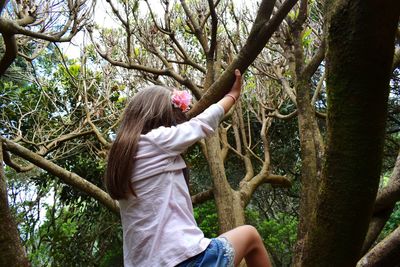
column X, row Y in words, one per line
column 253, row 236
column 252, row 232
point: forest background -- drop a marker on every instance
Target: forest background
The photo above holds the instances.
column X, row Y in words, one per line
column 309, row 155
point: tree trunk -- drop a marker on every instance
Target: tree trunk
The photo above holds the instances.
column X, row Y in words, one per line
column 229, row 207
column 311, row 161
column 360, row 40
column 12, row 252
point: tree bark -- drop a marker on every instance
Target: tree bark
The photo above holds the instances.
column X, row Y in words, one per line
column 229, row 207
column 360, row 41
column 312, row 153
column 384, row 205
column 386, row 253
column 10, row 52
column 12, row 253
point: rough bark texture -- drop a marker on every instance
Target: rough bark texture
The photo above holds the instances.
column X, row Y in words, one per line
column 311, row 156
column 12, row 253
column 360, row 41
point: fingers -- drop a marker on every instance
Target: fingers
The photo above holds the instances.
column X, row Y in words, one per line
column 238, row 82
column 237, row 73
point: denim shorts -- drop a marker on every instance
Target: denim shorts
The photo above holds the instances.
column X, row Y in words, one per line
column 219, row 253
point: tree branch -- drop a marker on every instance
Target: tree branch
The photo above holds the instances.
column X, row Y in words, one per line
column 314, row 63
column 391, row 193
column 116, row 13
column 385, row 253
column 278, row 115
column 375, row 227
column 195, row 27
column 67, row 177
column 214, row 27
column 384, row 204
column 10, row 27
column 18, row 168
column 202, row 197
column 10, row 53
column 318, row 89
column 260, row 34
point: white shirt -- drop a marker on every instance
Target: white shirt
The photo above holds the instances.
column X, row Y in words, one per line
column 158, row 225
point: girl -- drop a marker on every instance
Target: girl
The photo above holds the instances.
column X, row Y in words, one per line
column 145, row 173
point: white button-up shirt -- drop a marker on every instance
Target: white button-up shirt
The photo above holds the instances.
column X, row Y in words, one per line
column 158, row 225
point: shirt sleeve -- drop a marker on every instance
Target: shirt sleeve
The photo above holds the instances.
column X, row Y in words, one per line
column 176, row 139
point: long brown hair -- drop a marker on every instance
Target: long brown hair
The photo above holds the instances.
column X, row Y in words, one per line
column 149, row 109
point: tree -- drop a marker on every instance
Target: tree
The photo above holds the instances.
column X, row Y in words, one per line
column 27, row 27
column 13, row 253
column 142, row 52
column 357, row 105
column 193, row 45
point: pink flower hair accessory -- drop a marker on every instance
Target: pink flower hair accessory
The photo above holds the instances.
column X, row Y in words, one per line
column 181, row 99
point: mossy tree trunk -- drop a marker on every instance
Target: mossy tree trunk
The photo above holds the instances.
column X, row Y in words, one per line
column 360, row 46
column 312, row 152
column 302, row 67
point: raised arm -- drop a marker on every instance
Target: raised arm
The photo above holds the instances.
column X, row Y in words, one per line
column 229, row 99
column 177, row 139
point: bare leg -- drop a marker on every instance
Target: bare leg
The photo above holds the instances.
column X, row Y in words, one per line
column 248, row 244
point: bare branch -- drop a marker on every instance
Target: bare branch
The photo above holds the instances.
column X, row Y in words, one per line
column 214, row 27
column 278, row 115
column 197, row 30
column 202, row 197
column 385, row 253
column 99, row 136
column 116, row 12
column 285, row 84
column 259, row 36
column 391, row 193
column 18, row 168
column 67, row 177
column 314, row 63
column 318, row 89
column 12, row 27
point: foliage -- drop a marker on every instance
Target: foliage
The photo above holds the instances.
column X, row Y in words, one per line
column 61, row 226
column 392, row 223
column 45, row 99
column 278, row 233
column 200, row 177
column 206, row 217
